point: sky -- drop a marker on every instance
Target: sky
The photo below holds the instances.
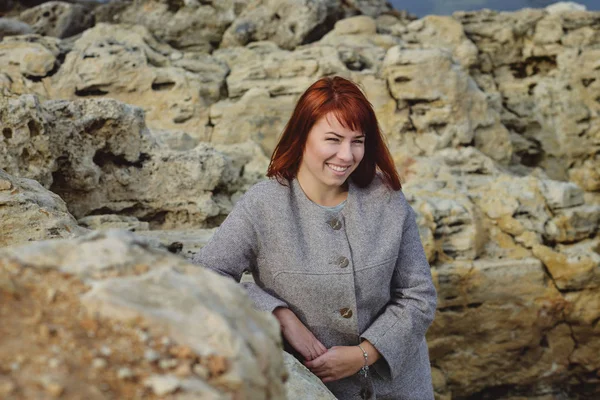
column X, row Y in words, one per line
column 421, row 8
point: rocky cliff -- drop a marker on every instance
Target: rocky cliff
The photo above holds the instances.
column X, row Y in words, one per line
column 154, row 116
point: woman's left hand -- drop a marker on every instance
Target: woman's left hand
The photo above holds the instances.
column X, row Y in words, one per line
column 337, row 363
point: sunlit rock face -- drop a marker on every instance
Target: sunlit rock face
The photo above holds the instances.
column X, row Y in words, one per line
column 160, row 116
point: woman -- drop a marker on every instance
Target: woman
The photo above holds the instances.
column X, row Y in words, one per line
column 335, row 251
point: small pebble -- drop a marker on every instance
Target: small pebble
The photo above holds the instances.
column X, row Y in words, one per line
column 54, row 363
column 162, row 384
column 151, row 355
column 5, row 185
column 105, row 351
column 165, row 341
column 7, row 386
column 184, row 370
column 55, row 349
column 176, row 55
column 51, row 295
column 53, row 388
column 168, row 363
column 15, row 366
column 143, row 336
column 99, row 363
column 201, row 371
column 124, row 373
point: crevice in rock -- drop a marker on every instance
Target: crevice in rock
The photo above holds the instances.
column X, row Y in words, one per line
column 160, row 86
column 326, row 26
column 102, row 158
column 510, row 391
column 91, row 91
column 536, row 65
column 587, row 81
column 461, row 307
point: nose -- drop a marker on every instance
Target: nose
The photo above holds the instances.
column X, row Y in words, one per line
column 345, row 152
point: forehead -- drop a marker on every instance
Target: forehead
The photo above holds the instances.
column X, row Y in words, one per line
column 331, row 122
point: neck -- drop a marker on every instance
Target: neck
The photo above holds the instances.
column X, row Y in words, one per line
column 327, row 196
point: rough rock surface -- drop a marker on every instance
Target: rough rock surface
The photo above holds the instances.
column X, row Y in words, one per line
column 193, row 326
column 192, row 25
column 10, row 27
column 290, row 23
column 98, row 155
column 129, row 65
column 29, row 212
column 58, row 19
column 24, row 60
column 439, row 105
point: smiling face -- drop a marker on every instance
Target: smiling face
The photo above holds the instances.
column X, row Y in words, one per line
column 331, row 154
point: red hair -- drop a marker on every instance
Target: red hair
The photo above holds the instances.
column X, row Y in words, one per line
column 353, row 111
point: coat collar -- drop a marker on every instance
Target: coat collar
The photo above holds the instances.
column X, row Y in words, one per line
column 307, row 204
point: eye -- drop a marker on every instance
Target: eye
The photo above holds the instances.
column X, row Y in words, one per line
column 332, row 139
column 359, row 141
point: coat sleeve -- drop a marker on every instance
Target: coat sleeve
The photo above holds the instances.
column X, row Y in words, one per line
column 399, row 330
column 232, row 250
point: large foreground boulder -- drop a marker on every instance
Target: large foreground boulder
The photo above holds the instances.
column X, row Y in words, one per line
column 105, row 314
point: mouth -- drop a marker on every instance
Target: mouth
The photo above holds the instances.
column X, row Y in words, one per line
column 339, row 169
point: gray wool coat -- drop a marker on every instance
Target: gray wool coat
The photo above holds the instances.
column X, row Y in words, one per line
column 359, row 274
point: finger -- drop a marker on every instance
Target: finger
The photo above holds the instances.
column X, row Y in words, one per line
column 319, row 349
column 322, row 349
column 321, row 372
column 328, row 379
column 316, row 363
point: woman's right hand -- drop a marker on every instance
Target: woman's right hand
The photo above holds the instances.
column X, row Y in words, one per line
column 298, row 335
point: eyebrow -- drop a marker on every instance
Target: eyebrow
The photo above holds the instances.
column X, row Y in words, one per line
column 340, row 136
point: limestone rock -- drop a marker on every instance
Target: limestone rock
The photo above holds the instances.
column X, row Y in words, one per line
column 186, row 25
column 572, row 266
column 175, row 140
column 538, row 68
column 193, row 307
column 98, row 155
column 129, row 65
column 454, row 223
column 29, row 212
column 439, row 105
column 585, row 306
column 112, row 221
column 27, row 147
column 434, row 31
column 287, row 23
column 280, row 72
column 26, row 59
column 58, row 19
column 10, row 27
column 301, row 382
column 486, row 319
column 573, row 224
column 185, row 242
column 358, row 45
column 292, row 23
column 255, row 116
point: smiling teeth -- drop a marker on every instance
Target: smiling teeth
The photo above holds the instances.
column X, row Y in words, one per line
column 336, row 168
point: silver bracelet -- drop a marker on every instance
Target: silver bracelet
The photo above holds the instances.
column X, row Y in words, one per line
column 365, row 368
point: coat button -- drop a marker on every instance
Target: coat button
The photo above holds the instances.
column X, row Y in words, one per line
column 335, row 224
column 346, row 313
column 343, row 262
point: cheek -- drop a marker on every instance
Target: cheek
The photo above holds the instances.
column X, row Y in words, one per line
column 359, row 154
